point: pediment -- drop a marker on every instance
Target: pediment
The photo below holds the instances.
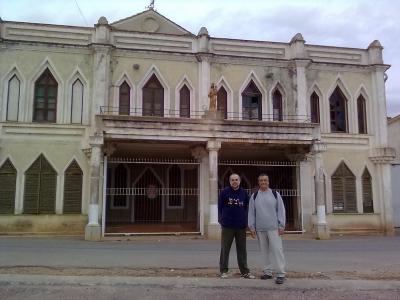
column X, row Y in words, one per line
column 150, row 21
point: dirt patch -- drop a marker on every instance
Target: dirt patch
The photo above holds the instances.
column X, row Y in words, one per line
column 196, row 272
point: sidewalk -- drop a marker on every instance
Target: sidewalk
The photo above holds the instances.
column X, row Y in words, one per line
column 349, row 257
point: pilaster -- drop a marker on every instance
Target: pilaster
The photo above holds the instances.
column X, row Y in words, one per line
column 213, row 147
column 321, row 226
column 93, row 228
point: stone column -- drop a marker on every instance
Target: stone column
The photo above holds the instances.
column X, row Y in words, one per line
column 93, row 228
column 306, row 196
column 382, row 155
column 382, row 158
column 203, row 58
column 101, row 66
column 298, row 55
column 321, row 226
column 200, row 153
column 213, row 147
column 302, row 100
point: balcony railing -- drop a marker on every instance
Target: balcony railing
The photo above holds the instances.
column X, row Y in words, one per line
column 186, row 114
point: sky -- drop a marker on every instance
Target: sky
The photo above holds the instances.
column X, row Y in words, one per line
column 343, row 23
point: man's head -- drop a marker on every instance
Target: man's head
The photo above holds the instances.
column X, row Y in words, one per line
column 263, row 181
column 234, row 181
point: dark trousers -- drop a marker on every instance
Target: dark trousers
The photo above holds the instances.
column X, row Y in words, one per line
column 227, row 236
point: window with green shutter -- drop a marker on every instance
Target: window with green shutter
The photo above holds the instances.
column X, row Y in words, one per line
column 40, row 188
column 368, row 204
column 73, row 189
column 8, row 178
column 344, row 190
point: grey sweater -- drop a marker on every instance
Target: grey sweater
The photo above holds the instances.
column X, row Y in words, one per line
column 266, row 213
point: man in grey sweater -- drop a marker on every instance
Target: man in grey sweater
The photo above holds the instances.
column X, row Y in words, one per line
column 267, row 220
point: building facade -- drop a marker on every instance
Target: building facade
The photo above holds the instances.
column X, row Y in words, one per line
column 108, row 130
column 394, row 142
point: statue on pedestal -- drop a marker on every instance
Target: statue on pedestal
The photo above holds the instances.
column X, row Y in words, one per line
column 213, row 97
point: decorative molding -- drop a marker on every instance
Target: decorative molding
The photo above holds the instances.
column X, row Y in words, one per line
column 382, row 155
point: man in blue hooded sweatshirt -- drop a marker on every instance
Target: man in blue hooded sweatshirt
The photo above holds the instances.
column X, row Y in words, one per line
column 233, row 206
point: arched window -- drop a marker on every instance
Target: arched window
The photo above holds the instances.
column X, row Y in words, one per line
column 344, row 190
column 368, row 204
column 184, row 102
column 8, row 178
column 153, row 98
column 45, row 101
column 77, row 102
column 362, row 116
column 175, row 183
column 314, row 107
column 124, row 98
column 13, row 96
column 222, row 100
column 277, row 106
column 251, row 102
column 40, row 188
column 73, row 189
column 338, row 111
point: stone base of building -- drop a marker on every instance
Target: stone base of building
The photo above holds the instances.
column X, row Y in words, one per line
column 93, row 232
column 389, row 230
column 213, row 231
column 322, row 232
column 43, row 224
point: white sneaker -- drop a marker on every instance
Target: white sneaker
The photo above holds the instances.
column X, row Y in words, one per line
column 224, row 275
column 248, row 276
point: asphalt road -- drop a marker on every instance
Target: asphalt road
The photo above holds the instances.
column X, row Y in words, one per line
column 76, row 287
column 363, row 254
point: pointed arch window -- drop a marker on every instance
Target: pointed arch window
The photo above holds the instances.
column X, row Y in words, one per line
column 338, row 111
column 124, row 98
column 73, row 189
column 362, row 115
column 314, row 108
column 368, row 203
column 77, row 102
column 13, row 97
column 184, row 102
column 277, row 106
column 344, row 190
column 45, row 101
column 222, row 100
column 8, row 178
column 251, row 102
column 40, row 188
column 153, row 98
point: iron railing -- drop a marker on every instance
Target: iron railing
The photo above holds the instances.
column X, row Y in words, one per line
column 193, row 114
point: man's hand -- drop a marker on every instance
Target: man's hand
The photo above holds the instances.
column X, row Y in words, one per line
column 253, row 234
column 281, row 230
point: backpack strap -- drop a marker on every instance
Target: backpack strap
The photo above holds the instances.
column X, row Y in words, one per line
column 256, row 193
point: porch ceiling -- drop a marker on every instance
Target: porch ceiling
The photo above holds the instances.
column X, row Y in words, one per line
column 228, row 151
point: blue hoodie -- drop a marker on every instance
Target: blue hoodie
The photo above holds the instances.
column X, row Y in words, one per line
column 232, row 208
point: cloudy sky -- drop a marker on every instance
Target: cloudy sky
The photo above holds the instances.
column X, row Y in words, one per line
column 354, row 23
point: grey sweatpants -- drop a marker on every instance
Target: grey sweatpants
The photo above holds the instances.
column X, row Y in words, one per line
column 270, row 243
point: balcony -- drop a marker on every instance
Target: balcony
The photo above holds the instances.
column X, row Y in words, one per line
column 168, row 125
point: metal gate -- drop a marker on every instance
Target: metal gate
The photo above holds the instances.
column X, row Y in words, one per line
column 152, row 196
column 283, row 177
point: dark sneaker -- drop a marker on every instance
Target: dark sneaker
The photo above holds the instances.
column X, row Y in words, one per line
column 279, row 280
column 265, row 276
column 248, row 276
